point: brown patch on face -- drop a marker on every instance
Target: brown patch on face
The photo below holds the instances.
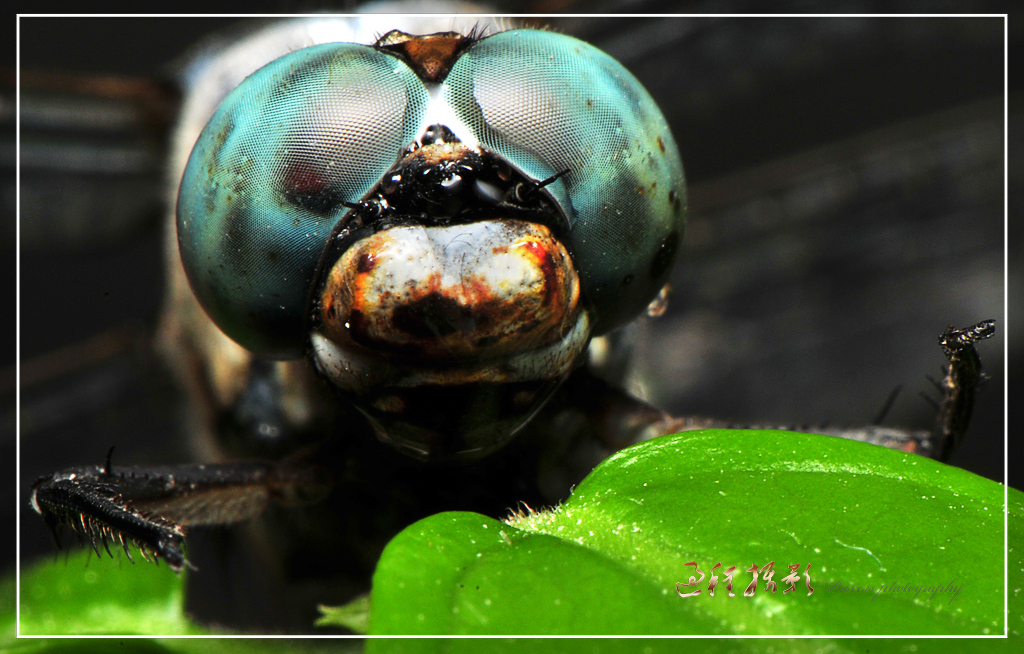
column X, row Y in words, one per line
column 431, row 56
column 470, row 292
column 365, row 264
column 435, row 153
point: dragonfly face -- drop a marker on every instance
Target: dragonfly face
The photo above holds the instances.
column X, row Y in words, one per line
column 429, row 249
column 442, row 221
column 743, row 302
column 773, row 264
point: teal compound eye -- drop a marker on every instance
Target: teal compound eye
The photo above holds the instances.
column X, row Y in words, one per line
column 549, row 102
column 431, row 214
column 269, row 178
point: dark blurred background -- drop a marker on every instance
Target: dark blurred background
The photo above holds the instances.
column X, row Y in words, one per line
column 846, row 182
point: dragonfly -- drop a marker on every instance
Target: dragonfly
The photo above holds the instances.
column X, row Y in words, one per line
column 801, row 206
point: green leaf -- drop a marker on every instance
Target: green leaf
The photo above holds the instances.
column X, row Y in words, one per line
column 355, row 615
column 608, row 561
column 85, row 596
column 707, row 494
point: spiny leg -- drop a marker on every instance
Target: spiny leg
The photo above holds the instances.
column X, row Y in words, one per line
column 152, row 506
column 620, row 419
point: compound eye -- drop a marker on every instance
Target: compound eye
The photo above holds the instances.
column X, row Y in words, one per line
column 269, row 177
column 548, row 103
